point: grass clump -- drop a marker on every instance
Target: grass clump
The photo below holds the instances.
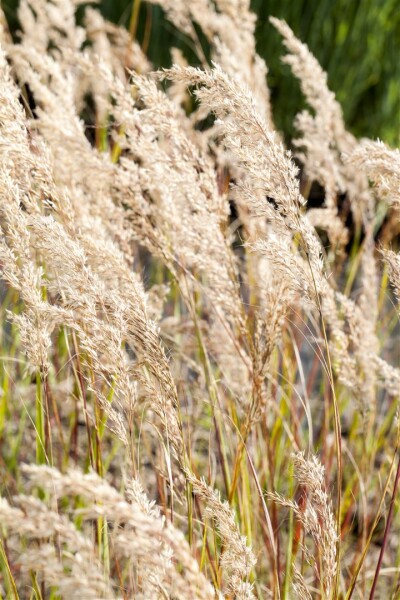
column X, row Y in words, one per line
column 199, row 390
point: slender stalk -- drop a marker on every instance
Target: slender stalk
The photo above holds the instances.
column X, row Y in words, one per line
column 268, row 522
column 133, row 24
column 10, row 578
column 40, row 423
column 338, row 434
column 387, row 528
column 289, row 550
column 82, row 388
column 374, row 525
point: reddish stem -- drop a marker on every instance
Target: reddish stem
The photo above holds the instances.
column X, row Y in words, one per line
column 386, row 534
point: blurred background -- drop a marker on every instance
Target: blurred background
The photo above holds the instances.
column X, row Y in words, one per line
column 356, row 41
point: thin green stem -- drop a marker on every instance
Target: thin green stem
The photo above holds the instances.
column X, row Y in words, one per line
column 39, row 423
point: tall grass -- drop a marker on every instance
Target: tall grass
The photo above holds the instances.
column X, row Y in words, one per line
column 199, row 386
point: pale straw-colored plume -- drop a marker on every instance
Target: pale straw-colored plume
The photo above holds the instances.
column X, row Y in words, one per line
column 392, row 260
column 269, row 171
column 159, row 557
column 113, row 45
column 323, row 138
column 73, row 569
column 382, row 165
column 229, row 27
column 237, row 558
column 317, row 518
column 317, row 149
column 50, row 24
column 299, row 585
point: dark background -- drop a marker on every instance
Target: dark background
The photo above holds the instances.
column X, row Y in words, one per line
column 356, row 41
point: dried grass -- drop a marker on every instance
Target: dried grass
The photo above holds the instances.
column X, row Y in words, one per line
column 175, row 326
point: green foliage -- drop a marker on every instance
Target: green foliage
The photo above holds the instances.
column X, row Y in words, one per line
column 356, row 42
